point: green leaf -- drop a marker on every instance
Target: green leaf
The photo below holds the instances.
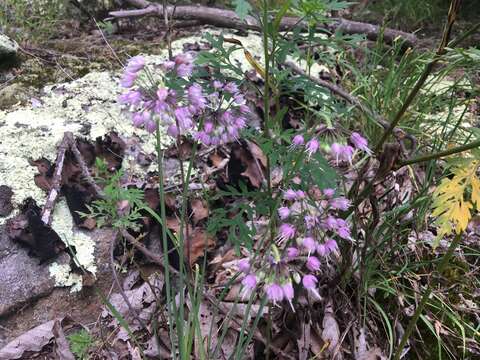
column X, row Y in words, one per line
column 242, row 8
column 319, row 171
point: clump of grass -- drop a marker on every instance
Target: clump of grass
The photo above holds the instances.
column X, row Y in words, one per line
column 31, row 19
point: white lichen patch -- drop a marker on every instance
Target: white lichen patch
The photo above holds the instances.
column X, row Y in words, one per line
column 86, row 107
column 83, row 244
column 62, row 273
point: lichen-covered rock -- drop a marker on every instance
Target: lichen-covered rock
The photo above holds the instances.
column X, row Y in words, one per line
column 8, row 47
column 23, row 278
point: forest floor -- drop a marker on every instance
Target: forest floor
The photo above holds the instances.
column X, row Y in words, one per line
column 70, row 84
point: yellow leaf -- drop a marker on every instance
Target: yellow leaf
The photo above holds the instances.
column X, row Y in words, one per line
column 475, row 191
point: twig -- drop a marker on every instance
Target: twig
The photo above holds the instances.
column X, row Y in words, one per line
column 83, row 165
column 56, row 183
column 229, row 19
column 132, row 311
column 399, row 133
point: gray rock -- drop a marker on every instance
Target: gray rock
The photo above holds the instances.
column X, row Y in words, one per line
column 23, row 279
column 8, row 47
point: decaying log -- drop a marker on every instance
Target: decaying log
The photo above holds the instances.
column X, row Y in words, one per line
column 229, row 19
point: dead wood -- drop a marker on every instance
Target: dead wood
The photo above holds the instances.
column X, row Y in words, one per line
column 56, row 182
column 229, row 19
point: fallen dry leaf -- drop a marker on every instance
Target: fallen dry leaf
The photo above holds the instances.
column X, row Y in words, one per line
column 216, row 159
column 63, row 348
column 331, row 330
column 32, row 341
column 242, row 159
column 197, row 244
column 199, row 210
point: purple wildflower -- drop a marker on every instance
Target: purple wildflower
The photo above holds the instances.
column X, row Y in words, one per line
column 313, row 264
column 328, row 192
column 128, row 79
column 162, row 94
column 331, row 245
column 300, row 194
column 249, row 283
column 283, row 212
column 244, row 265
column 321, row 250
column 298, row 140
column 217, row 84
column 131, row 97
column 196, row 98
column 135, row 64
column 309, row 244
column 138, row 119
column 184, row 118
column 330, row 222
column 274, row 292
column 150, row 126
column 312, row 146
column 292, row 253
column 231, row 87
column 360, row 142
column 309, row 282
column 287, row 232
column 340, row 203
column 310, row 221
column 341, row 152
column 290, row 194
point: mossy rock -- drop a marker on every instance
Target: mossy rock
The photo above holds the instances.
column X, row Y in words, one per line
column 13, row 94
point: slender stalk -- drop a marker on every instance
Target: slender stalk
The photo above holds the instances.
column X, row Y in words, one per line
column 161, row 193
column 440, row 154
column 426, row 295
column 266, row 88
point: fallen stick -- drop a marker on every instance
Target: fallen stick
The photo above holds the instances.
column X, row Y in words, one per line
column 229, row 19
column 83, row 165
column 68, row 143
column 47, row 211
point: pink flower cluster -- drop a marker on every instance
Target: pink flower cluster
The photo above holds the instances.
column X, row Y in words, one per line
column 310, row 225
column 212, row 115
column 340, row 153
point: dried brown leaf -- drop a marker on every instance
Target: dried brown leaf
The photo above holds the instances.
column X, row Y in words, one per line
column 199, row 209
column 197, row 244
column 331, row 330
column 32, row 341
column 63, row 349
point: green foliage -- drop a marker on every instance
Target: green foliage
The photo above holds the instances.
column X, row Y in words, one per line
column 120, row 206
column 80, row 343
column 242, row 8
column 36, row 20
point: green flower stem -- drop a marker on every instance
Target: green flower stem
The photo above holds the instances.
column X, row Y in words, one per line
column 440, row 154
column 161, row 192
column 426, row 295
